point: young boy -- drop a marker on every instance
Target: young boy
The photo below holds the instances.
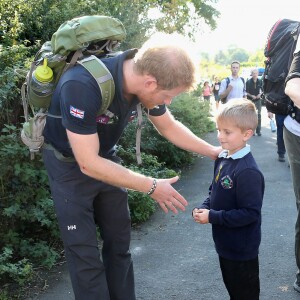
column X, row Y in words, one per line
column 233, row 205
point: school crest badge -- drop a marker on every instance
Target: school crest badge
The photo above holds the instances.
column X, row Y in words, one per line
column 226, row 182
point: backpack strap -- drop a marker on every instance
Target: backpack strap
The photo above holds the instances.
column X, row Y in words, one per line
column 139, row 133
column 103, row 77
column 227, row 82
column 107, row 87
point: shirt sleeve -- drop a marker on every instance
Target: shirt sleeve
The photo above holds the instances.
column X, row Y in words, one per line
column 158, row 110
column 80, row 102
column 294, row 71
column 222, row 86
column 206, row 202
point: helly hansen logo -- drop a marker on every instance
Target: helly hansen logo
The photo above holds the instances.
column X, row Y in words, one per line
column 71, row 227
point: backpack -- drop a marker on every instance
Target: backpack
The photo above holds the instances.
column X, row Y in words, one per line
column 83, row 41
column 224, row 100
column 279, row 49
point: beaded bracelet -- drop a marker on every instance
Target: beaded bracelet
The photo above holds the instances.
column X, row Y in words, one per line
column 153, row 187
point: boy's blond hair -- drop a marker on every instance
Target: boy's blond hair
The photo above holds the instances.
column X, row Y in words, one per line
column 241, row 112
column 168, row 63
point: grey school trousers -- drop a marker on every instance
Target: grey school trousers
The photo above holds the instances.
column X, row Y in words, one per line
column 292, row 145
column 81, row 204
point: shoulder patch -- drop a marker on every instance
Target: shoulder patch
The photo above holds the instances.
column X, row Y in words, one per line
column 77, row 113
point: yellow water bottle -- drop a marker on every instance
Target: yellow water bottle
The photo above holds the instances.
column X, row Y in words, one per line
column 41, row 86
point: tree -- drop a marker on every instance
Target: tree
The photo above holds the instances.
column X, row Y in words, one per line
column 184, row 16
column 23, row 21
column 231, row 54
column 221, row 58
column 257, row 58
column 238, row 54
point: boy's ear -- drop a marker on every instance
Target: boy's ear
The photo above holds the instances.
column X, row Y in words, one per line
column 248, row 134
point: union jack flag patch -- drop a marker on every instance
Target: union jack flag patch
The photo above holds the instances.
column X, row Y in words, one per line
column 75, row 112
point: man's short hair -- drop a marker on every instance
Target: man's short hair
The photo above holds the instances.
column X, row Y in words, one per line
column 236, row 62
column 170, row 64
column 254, row 70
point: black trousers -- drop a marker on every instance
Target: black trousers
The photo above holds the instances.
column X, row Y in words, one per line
column 258, row 109
column 241, row 278
column 280, row 142
column 83, row 203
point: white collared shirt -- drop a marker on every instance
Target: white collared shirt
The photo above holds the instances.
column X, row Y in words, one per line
column 238, row 90
column 239, row 154
column 292, row 125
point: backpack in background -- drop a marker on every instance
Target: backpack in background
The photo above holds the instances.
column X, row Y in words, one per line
column 279, row 49
column 224, row 100
column 82, row 41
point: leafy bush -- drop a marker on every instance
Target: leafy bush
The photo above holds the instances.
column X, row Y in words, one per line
column 20, row 271
column 10, row 105
column 28, row 226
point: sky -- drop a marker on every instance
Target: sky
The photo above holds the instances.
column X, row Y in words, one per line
column 246, row 23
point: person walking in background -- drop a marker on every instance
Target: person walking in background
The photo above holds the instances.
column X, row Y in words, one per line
column 215, row 88
column 291, row 136
column 233, row 86
column 206, row 91
column 279, row 141
column 254, row 91
column 234, row 202
column 88, row 184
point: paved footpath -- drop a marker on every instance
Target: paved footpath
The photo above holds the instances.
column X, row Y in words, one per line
column 174, row 258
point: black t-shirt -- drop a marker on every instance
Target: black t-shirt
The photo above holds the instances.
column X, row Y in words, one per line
column 77, row 98
column 294, row 72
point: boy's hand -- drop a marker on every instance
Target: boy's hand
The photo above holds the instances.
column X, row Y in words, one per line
column 201, row 215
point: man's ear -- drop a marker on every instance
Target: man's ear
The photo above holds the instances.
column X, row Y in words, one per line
column 150, row 82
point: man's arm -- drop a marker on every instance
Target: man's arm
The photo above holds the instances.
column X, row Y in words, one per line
column 181, row 136
column 292, row 89
column 86, row 149
column 225, row 91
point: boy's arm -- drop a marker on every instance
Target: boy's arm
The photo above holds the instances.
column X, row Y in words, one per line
column 206, row 202
column 204, row 206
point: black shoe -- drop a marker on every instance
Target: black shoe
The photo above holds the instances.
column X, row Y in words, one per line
column 296, row 286
column 259, row 134
column 281, row 158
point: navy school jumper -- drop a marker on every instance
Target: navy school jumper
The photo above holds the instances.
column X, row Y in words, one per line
column 235, row 201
